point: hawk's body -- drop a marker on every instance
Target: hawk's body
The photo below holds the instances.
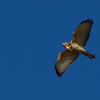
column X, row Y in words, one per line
column 75, row 47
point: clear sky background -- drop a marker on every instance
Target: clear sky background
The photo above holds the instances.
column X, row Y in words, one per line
column 31, row 37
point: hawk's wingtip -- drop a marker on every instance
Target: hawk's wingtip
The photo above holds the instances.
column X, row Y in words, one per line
column 58, row 74
column 87, row 21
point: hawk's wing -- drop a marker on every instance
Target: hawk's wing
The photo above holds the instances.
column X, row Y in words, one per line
column 81, row 34
column 65, row 58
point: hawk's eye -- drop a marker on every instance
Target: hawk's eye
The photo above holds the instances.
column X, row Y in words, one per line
column 66, row 44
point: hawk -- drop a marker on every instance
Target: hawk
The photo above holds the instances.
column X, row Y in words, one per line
column 74, row 47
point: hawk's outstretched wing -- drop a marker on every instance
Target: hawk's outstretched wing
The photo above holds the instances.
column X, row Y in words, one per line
column 65, row 58
column 81, row 34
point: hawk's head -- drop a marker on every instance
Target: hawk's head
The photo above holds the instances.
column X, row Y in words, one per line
column 67, row 45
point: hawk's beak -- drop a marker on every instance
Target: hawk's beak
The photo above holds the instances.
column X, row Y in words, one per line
column 63, row 45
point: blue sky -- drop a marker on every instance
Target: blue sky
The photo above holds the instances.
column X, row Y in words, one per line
column 31, row 36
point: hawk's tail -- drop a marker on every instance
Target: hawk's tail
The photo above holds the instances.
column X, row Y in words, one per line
column 91, row 56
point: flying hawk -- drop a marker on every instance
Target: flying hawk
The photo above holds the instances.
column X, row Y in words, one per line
column 75, row 47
